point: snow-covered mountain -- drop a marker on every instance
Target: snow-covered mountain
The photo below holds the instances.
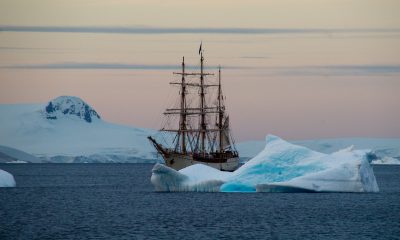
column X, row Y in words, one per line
column 387, row 150
column 66, row 106
column 67, row 129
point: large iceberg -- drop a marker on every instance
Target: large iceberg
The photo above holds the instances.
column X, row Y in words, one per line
column 6, row 179
column 280, row 167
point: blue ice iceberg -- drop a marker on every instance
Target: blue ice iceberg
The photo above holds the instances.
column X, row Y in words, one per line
column 280, row 167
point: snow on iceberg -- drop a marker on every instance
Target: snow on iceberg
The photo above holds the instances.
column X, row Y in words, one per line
column 195, row 178
column 280, row 167
column 6, row 179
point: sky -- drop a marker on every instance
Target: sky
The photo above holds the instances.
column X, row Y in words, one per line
column 299, row 69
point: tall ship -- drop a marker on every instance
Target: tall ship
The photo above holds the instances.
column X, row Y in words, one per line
column 196, row 129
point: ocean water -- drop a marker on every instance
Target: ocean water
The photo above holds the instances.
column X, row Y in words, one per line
column 117, row 201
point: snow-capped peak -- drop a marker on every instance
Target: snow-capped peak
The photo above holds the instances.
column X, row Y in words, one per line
column 70, row 106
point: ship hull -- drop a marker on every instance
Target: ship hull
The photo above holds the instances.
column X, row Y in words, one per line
column 179, row 161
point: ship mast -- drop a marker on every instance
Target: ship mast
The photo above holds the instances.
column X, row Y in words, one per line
column 202, row 106
column 220, row 110
column 183, row 132
column 182, row 124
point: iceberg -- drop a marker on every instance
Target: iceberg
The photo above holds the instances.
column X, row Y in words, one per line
column 280, row 167
column 6, row 179
column 195, row 178
column 386, row 150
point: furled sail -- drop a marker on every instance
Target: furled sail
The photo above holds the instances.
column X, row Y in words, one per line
column 225, row 138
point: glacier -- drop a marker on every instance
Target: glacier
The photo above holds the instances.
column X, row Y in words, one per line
column 12, row 155
column 6, row 179
column 68, row 130
column 280, row 167
column 386, row 161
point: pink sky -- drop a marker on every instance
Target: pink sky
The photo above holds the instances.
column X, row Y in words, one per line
column 295, row 84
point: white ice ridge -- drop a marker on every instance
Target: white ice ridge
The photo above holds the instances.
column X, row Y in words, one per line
column 6, row 179
column 280, row 167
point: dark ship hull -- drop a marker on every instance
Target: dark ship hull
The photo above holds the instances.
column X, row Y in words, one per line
column 178, row 161
column 226, row 161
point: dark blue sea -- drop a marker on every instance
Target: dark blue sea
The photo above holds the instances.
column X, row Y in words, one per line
column 117, row 201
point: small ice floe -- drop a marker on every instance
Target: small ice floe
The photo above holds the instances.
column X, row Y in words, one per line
column 6, row 179
column 280, row 167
